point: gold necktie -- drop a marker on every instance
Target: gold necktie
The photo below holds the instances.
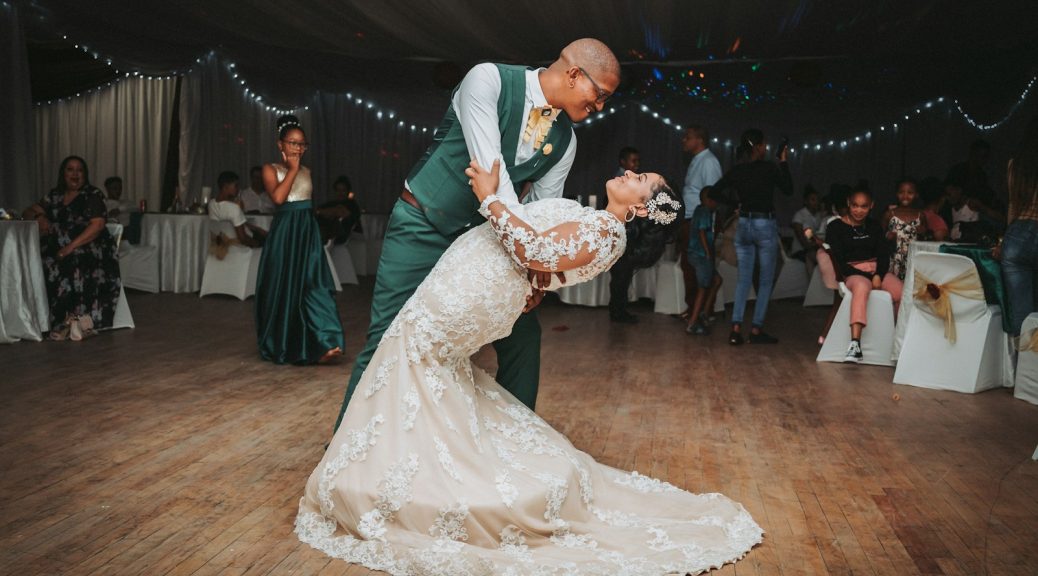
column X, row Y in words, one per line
column 538, row 124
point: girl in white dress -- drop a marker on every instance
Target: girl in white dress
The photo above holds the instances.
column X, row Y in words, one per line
column 437, row 470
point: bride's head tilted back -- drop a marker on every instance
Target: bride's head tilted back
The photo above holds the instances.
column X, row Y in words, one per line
column 645, row 194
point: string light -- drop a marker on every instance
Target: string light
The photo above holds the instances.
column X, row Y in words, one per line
column 1012, row 110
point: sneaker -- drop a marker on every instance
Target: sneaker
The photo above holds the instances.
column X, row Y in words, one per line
column 762, row 338
column 853, row 353
column 734, row 338
column 707, row 320
column 697, row 329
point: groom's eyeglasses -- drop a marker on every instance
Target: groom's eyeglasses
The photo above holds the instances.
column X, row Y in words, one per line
column 600, row 95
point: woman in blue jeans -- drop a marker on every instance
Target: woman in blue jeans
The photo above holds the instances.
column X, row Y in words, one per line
column 751, row 185
column 1019, row 248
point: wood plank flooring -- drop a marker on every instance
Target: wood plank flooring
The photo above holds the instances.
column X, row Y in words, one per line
column 172, row 449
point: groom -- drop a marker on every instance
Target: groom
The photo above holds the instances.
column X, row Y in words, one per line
column 522, row 117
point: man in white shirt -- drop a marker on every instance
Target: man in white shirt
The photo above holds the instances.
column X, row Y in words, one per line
column 118, row 211
column 703, row 170
column 523, row 118
column 807, row 218
column 224, row 208
column 255, row 199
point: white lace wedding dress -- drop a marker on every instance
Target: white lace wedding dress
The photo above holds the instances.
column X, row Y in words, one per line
column 437, row 470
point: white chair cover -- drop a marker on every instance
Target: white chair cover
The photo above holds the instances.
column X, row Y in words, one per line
column 342, row 263
column 139, row 267
column 792, row 279
column 877, row 339
column 817, row 292
column 123, row 318
column 970, row 362
column 1026, row 385
column 235, row 275
column 670, row 288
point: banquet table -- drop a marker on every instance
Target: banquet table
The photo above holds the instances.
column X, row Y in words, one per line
column 181, row 241
column 595, row 292
column 24, row 310
column 988, row 268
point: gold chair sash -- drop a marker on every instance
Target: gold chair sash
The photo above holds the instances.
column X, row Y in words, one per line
column 220, row 243
column 935, row 297
column 1029, row 343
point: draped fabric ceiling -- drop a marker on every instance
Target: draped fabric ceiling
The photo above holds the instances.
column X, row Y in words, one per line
column 806, row 68
column 813, row 54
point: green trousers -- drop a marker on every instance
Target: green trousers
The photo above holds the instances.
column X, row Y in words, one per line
column 411, row 248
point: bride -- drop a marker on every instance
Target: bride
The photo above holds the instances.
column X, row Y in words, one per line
column 437, row 470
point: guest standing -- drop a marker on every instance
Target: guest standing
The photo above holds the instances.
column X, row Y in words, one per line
column 861, row 253
column 622, row 272
column 296, row 318
column 704, row 170
column 1019, row 248
column 79, row 255
column 752, row 185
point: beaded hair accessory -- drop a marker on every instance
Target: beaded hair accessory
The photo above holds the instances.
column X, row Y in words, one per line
column 288, row 124
column 659, row 216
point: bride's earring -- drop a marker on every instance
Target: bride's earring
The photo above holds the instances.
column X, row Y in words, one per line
column 632, row 213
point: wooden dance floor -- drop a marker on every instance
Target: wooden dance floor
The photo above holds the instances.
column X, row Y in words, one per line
column 172, row 449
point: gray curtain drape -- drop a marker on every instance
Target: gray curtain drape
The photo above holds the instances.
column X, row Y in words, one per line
column 223, row 129
column 120, row 130
column 17, row 162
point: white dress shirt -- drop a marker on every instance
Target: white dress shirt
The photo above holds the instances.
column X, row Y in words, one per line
column 704, row 170
column 807, row 219
column 225, row 211
column 256, row 201
column 475, row 104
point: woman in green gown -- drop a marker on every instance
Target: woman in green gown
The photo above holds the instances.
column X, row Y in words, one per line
column 296, row 318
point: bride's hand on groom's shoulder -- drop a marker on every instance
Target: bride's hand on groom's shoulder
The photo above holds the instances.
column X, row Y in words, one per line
column 483, row 183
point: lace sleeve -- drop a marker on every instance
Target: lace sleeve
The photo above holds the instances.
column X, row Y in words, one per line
column 592, row 238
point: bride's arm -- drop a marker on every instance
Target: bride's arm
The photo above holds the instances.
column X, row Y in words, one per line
column 564, row 247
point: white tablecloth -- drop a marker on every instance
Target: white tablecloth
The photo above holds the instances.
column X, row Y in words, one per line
column 182, row 241
column 595, row 292
column 24, row 311
column 365, row 250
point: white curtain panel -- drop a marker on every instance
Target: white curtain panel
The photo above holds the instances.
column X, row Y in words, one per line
column 16, row 121
column 120, row 130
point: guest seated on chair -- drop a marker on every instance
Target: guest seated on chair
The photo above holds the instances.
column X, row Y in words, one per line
column 118, row 211
column 340, row 216
column 254, row 199
column 905, row 222
column 224, row 208
column 79, row 255
column 807, row 218
column 861, row 253
column 932, row 192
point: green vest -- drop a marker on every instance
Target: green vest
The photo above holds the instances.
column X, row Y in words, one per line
column 438, row 181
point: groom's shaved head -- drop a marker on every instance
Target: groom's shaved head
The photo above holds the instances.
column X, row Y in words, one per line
column 591, row 54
